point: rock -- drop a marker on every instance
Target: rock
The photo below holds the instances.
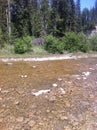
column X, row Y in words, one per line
column 23, row 76
column 54, row 85
column 5, row 91
column 41, row 123
column 40, row 92
column 67, row 104
column 20, row 119
column 31, row 123
column 67, row 128
column 9, row 64
column 38, row 41
column 63, row 118
column 1, row 99
column 16, row 102
column 62, row 91
column 48, row 111
column 75, row 123
column 52, row 99
column 34, row 67
column 92, row 96
column 59, row 79
column 1, row 120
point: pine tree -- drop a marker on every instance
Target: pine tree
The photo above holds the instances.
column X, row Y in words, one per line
column 44, row 16
column 78, row 16
column 3, row 12
column 96, row 10
column 35, row 27
column 85, row 19
column 72, row 14
column 60, row 7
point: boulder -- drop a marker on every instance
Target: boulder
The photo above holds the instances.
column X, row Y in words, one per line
column 38, row 41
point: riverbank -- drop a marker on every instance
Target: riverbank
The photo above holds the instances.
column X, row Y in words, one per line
column 49, row 58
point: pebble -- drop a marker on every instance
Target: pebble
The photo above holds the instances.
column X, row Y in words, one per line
column 20, row 119
column 92, row 96
column 48, row 111
column 52, row 99
column 23, row 76
column 9, row 64
column 16, row 102
column 63, row 118
column 59, row 79
column 62, row 91
column 31, row 123
column 75, row 123
column 1, row 99
column 67, row 104
column 1, row 120
column 33, row 67
column 54, row 85
column 5, row 91
column 67, row 128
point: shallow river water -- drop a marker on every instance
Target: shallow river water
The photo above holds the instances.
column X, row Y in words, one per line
column 48, row 95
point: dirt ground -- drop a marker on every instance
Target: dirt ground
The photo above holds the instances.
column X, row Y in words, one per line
column 48, row 95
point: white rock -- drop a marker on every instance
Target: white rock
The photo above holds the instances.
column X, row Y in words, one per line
column 86, row 73
column 62, row 91
column 33, row 67
column 40, row 92
column 78, row 78
column 23, row 76
column 54, row 85
column 59, row 79
column 9, row 64
column 84, row 78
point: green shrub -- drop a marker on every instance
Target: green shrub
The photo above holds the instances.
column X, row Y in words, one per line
column 93, row 42
column 71, row 42
column 53, row 45
column 83, row 45
column 75, row 42
column 22, row 45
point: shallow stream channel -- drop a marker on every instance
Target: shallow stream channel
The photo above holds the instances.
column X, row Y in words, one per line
column 48, row 95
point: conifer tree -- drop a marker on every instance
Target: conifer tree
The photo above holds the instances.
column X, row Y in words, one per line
column 72, row 16
column 78, row 16
column 44, row 15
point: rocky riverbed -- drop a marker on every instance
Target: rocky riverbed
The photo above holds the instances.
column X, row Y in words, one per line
column 48, row 95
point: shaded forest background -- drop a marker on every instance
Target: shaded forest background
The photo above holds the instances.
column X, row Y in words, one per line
column 38, row 18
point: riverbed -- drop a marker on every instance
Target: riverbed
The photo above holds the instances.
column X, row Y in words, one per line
column 58, row 94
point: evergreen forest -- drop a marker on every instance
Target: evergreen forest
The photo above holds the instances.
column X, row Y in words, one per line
column 59, row 22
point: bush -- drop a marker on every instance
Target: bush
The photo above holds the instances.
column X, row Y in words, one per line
column 71, row 42
column 93, row 42
column 53, row 45
column 75, row 42
column 84, row 45
column 22, row 45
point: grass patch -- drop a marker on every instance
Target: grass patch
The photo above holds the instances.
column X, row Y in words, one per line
column 39, row 50
column 8, row 52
